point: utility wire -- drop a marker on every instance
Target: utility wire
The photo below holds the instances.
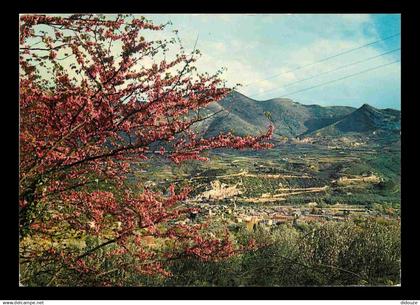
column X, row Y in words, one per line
column 329, row 71
column 229, row 108
column 325, row 59
column 338, row 79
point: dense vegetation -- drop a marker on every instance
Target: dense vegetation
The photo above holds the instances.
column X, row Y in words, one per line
column 351, row 253
column 359, row 252
column 113, row 190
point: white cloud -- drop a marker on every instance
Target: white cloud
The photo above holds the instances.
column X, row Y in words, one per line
column 254, row 48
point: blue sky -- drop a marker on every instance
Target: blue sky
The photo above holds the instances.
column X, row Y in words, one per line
column 264, row 51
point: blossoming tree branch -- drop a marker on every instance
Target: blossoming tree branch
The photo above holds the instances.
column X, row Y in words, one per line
column 90, row 107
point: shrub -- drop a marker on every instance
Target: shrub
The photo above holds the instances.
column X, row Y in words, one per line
column 360, row 252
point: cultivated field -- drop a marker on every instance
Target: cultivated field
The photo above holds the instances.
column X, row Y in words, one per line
column 294, row 183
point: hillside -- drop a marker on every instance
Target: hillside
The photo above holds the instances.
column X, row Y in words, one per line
column 365, row 120
column 244, row 115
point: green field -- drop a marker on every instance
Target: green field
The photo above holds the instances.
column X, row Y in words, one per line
column 292, row 175
column 328, row 216
column 320, row 216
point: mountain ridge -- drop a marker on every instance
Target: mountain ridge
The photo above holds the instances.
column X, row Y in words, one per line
column 365, row 119
column 243, row 115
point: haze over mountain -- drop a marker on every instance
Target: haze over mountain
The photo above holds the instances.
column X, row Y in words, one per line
column 243, row 115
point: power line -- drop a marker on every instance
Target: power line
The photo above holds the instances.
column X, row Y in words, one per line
column 228, row 109
column 338, row 79
column 325, row 59
column 329, row 71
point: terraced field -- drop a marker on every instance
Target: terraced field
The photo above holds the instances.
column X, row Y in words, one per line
column 290, row 183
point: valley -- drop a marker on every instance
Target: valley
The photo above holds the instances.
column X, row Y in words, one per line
column 209, row 150
column 292, row 183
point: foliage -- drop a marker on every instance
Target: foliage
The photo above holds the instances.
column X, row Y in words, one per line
column 365, row 252
column 91, row 107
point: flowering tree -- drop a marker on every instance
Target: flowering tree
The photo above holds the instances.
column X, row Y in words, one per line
column 96, row 97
